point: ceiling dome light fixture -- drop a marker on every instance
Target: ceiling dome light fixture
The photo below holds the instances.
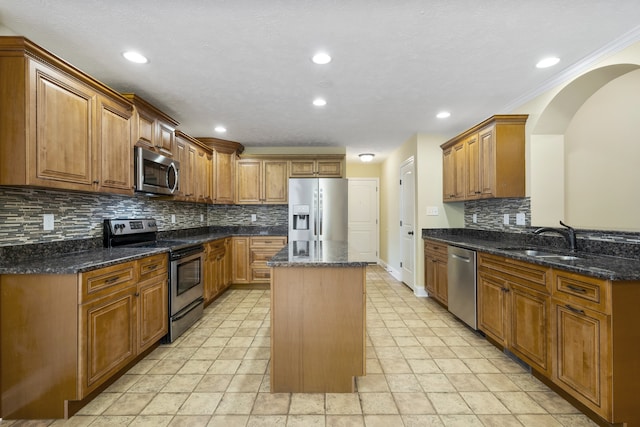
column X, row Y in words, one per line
column 220, row 129
column 366, row 157
column 319, row 102
column 547, row 62
column 321, row 58
column 135, row 57
column 443, row 114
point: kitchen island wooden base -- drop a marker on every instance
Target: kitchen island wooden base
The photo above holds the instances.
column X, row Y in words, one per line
column 317, row 329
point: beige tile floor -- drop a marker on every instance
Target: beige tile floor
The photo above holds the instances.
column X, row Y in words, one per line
column 424, row 368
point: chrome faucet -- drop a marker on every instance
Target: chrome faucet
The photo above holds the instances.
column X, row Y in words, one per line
column 569, row 234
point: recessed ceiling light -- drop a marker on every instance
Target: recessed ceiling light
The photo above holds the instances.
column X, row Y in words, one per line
column 220, row 129
column 321, row 58
column 443, row 114
column 319, row 102
column 135, row 57
column 547, row 62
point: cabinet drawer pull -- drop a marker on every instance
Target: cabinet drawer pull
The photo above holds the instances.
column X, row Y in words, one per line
column 574, row 310
column 152, row 267
column 577, row 289
column 112, row 279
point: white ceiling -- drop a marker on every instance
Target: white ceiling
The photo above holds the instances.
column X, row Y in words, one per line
column 396, row 63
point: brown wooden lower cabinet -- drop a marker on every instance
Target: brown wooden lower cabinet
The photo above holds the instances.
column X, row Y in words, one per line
column 577, row 332
column 216, row 268
column 63, row 336
column 435, row 268
column 513, row 307
column 250, row 256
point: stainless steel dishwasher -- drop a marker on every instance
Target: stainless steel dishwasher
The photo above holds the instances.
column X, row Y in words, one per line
column 461, row 278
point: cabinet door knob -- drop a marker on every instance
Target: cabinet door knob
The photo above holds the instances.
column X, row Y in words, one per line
column 96, row 181
column 137, row 294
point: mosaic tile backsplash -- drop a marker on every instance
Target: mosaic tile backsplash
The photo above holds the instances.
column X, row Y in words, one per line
column 490, row 217
column 80, row 216
column 490, row 214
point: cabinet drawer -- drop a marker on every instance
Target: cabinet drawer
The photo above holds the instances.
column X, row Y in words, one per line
column 272, row 241
column 435, row 248
column 261, row 255
column 103, row 281
column 152, row 266
column 260, row 274
column 526, row 274
column 585, row 291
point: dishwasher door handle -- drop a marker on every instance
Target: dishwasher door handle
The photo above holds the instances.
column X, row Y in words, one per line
column 461, row 258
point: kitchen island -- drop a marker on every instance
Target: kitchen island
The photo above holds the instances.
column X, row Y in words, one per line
column 318, row 306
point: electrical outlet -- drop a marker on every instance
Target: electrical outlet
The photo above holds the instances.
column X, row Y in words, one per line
column 520, row 219
column 432, row 211
column 48, row 222
column 506, row 219
column 173, row 218
column 254, row 218
column 201, row 217
column 475, row 218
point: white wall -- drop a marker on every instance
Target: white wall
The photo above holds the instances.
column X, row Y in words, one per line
column 429, row 194
column 602, row 167
column 582, row 149
column 390, row 203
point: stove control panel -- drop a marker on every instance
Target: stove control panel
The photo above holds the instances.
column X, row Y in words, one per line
column 130, row 226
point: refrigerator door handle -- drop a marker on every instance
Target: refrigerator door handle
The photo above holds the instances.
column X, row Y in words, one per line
column 315, row 209
column 320, row 206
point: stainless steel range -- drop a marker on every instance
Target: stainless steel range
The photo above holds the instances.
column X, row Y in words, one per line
column 186, row 280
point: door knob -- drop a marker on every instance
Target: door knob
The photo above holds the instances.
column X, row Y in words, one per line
column 410, row 233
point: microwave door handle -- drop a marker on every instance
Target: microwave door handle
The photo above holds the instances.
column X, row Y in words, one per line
column 175, row 173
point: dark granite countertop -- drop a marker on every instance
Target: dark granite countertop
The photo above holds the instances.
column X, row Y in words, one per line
column 315, row 254
column 601, row 265
column 73, row 258
column 77, row 262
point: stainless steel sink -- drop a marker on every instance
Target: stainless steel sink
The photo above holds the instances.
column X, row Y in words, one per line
column 541, row 254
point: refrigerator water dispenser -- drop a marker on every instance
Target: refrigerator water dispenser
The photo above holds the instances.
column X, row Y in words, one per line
column 301, row 217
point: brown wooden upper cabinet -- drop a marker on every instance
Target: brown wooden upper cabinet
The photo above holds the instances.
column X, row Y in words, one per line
column 196, row 166
column 152, row 129
column 62, row 128
column 486, row 161
column 223, row 172
column 328, row 166
column 262, row 181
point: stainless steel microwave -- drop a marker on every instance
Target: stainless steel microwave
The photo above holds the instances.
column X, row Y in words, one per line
column 155, row 173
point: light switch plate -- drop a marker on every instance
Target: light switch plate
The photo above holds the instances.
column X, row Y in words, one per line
column 432, row 211
column 506, row 219
column 520, row 219
column 48, row 222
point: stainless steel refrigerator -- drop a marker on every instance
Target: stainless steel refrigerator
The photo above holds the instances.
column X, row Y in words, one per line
column 317, row 210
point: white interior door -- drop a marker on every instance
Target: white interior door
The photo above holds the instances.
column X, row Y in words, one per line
column 407, row 222
column 363, row 218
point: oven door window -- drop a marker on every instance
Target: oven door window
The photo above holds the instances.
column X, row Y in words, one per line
column 189, row 275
